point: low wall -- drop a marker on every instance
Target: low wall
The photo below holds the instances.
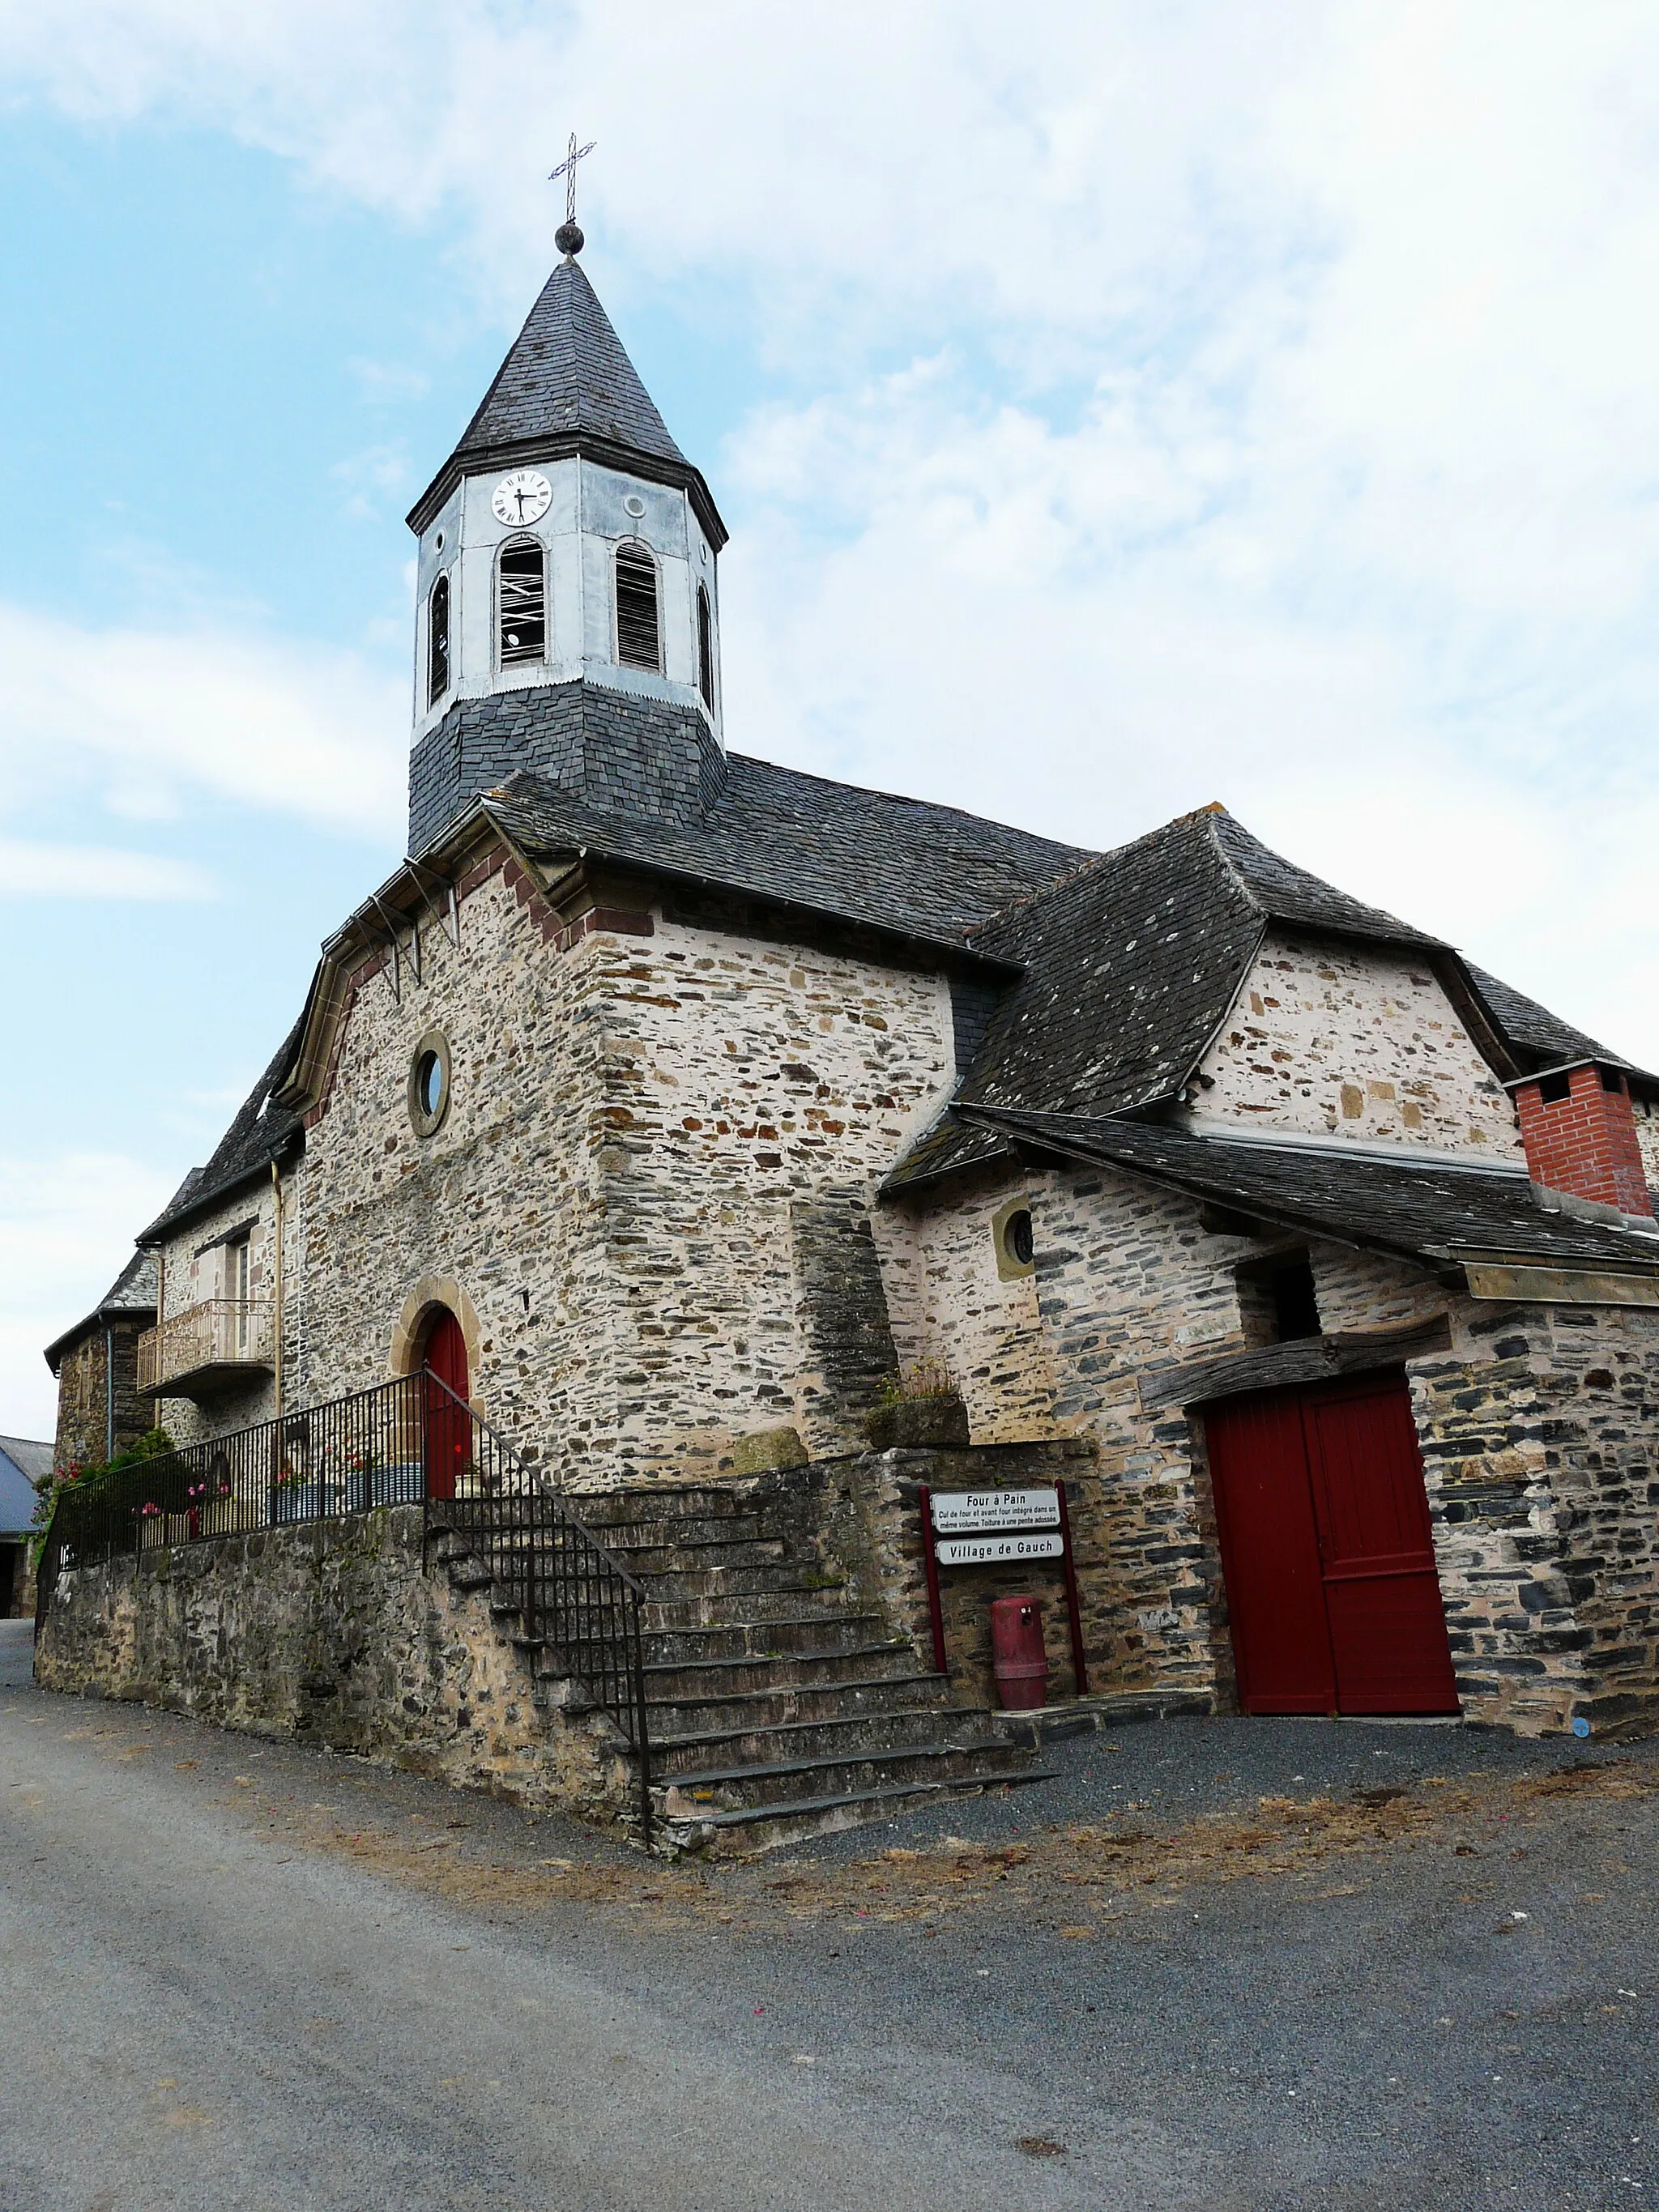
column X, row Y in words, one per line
column 331, row 1631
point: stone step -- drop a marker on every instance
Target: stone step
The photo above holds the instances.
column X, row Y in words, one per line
column 823, row 1629
column 747, row 1609
column 783, row 1704
column 872, row 1736
column 627, row 1539
column 739, row 1580
column 606, row 1508
column 715, row 1681
column 752, row 1829
column 945, row 1761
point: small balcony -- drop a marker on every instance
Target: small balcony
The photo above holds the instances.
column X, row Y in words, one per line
column 219, row 1345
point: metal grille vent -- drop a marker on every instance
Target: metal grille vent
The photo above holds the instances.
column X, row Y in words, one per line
column 639, row 643
column 437, row 654
column 705, row 649
column 523, row 603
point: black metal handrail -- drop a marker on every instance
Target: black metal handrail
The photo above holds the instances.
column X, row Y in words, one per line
column 410, row 1441
column 570, row 1593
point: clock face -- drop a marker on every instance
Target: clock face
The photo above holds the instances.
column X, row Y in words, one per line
column 525, row 497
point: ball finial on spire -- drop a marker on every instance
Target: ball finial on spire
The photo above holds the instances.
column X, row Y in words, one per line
column 569, row 236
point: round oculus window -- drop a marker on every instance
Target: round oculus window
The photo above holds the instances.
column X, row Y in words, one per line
column 429, row 1084
column 1017, row 1238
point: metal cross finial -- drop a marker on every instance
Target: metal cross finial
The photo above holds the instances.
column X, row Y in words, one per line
column 568, row 238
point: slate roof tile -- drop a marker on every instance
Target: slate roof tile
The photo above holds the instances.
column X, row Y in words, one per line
column 1419, row 1207
column 868, row 856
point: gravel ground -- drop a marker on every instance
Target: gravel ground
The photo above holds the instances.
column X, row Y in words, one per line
column 258, row 1974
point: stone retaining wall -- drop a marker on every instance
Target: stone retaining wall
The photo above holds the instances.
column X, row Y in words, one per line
column 331, row 1631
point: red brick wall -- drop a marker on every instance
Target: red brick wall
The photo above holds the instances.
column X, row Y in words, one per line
column 1585, row 1143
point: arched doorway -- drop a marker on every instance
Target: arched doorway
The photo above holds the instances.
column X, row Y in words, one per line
column 448, row 1423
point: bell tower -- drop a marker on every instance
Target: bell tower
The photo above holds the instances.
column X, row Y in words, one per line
column 567, row 608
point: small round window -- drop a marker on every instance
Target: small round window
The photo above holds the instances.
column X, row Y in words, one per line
column 1017, row 1238
column 429, row 1084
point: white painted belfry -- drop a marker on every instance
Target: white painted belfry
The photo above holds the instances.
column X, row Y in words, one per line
column 594, row 508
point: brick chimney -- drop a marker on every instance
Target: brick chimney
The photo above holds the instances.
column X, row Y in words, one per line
column 1579, row 1131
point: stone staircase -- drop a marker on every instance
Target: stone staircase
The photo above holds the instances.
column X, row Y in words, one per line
column 779, row 1706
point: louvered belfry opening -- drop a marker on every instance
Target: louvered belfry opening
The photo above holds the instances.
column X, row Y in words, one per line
column 523, row 603
column 705, row 648
column 638, row 639
column 437, row 642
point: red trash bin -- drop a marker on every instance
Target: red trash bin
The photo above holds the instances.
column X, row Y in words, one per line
column 1018, row 1656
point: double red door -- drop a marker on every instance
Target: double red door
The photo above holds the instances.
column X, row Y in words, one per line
column 1326, row 1545
column 448, row 1423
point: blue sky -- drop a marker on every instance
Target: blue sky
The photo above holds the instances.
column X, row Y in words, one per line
column 1157, row 406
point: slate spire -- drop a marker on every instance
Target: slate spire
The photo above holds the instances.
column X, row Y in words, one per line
column 567, row 371
column 568, row 385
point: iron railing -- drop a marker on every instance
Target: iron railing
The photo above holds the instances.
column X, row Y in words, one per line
column 408, row 1442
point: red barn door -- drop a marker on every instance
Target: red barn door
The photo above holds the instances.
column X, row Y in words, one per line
column 448, row 1426
column 1328, row 1553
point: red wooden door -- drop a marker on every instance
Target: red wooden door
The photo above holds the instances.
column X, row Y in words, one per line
column 1328, row 1554
column 1382, row 1589
column 1270, row 1555
column 448, row 1425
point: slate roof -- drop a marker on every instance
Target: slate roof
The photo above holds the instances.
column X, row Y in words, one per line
column 567, row 370
column 260, row 1133
column 132, row 1296
column 1417, row 1207
column 866, row 856
column 23, row 1463
column 1132, row 964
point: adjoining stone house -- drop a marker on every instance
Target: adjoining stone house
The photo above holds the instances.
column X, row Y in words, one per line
column 99, row 1409
column 685, row 1099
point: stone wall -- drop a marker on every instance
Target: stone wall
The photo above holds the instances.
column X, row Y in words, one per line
column 744, row 1080
column 1539, row 1443
column 953, row 1301
column 331, row 1631
column 84, row 1398
column 1352, row 1042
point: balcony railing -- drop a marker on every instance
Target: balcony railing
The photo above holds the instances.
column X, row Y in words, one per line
column 219, row 1342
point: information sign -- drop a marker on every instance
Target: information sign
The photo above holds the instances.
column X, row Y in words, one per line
column 996, row 1527
column 986, row 1551
column 957, row 1512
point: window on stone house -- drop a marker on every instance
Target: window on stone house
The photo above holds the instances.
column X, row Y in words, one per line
column 1277, row 1300
column 705, row 648
column 437, row 641
column 639, row 635
column 238, row 1278
column 522, row 593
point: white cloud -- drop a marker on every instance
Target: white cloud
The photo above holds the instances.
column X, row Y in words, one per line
column 1275, row 426
column 67, row 1222
column 99, row 871
column 139, row 718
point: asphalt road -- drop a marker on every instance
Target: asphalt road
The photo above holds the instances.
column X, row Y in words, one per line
column 209, row 2007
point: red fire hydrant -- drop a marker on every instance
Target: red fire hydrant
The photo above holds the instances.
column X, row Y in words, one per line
column 1020, row 1662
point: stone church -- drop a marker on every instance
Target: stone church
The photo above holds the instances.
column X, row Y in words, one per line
column 741, row 1143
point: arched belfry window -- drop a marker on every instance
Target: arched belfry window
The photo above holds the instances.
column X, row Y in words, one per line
column 638, row 633
column 705, row 648
column 522, row 598
column 437, row 641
